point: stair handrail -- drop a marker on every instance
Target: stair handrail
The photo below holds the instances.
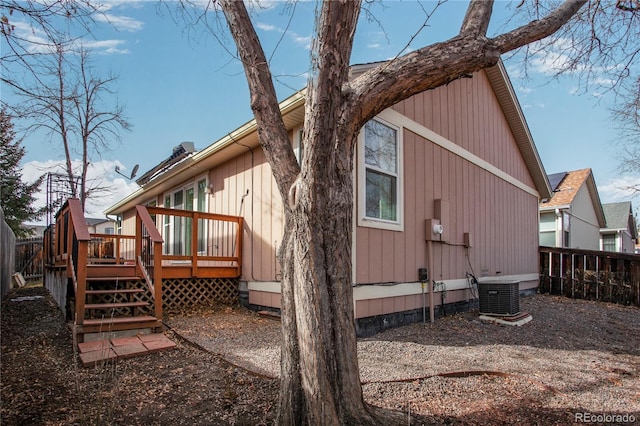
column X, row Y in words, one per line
column 71, row 220
column 146, row 228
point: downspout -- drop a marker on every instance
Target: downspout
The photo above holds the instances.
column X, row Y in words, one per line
column 559, row 229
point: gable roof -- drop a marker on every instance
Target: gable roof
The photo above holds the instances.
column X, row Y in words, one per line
column 292, row 108
column 567, row 188
column 620, row 216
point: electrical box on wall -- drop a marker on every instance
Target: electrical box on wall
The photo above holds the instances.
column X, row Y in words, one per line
column 467, row 239
column 433, row 230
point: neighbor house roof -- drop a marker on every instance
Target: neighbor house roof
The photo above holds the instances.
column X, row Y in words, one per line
column 567, row 187
column 292, row 110
column 92, row 221
column 620, row 216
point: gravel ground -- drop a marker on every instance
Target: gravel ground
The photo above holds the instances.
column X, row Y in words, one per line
column 574, row 357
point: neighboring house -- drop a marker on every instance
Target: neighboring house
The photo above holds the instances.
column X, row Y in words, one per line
column 460, row 156
column 573, row 216
column 621, row 232
column 36, row 230
column 101, row 226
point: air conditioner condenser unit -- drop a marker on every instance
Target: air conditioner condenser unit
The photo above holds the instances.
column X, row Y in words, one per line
column 501, row 298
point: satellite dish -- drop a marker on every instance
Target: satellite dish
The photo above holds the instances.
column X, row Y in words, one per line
column 133, row 172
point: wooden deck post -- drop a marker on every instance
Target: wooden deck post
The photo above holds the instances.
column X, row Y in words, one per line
column 239, row 236
column 157, row 278
column 194, row 243
column 138, row 245
column 77, row 230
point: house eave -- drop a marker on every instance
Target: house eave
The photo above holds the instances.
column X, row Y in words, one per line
column 554, row 208
column 501, row 84
column 595, row 200
column 503, row 89
column 233, row 144
column 612, row 230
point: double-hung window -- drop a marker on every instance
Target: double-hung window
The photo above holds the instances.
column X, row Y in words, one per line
column 380, row 176
column 609, row 242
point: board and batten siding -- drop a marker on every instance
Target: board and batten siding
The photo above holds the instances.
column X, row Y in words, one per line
column 262, row 210
column 456, row 146
column 485, row 181
column 468, row 113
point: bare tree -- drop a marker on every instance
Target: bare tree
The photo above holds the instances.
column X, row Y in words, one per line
column 70, row 106
column 319, row 368
column 600, row 50
column 27, row 28
column 627, row 115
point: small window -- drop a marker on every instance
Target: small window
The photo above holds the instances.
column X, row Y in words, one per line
column 609, row 242
column 380, row 200
column 548, row 239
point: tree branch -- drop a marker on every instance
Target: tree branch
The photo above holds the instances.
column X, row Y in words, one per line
column 272, row 132
column 330, row 56
column 393, row 81
column 539, row 29
column 476, row 21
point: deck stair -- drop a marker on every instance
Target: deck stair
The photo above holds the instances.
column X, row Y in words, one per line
column 116, row 298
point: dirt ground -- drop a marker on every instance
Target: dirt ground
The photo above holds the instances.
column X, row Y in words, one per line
column 43, row 384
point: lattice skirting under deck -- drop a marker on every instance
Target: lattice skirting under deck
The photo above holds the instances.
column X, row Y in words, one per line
column 183, row 293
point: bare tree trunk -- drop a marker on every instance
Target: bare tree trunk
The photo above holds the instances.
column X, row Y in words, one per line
column 320, row 380
column 59, row 106
column 320, row 375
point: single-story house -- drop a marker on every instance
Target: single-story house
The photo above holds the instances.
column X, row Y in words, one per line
column 621, row 231
column 572, row 217
column 456, row 193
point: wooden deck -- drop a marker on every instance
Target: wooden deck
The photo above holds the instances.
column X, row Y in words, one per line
column 117, row 279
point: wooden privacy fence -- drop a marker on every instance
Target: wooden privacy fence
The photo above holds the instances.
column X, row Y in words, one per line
column 591, row 275
column 29, row 259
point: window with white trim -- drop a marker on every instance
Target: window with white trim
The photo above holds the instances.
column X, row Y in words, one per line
column 380, row 185
column 609, row 242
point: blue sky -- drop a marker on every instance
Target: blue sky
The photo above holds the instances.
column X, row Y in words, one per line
column 178, row 84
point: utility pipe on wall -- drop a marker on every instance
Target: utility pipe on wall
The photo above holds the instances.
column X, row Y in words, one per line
column 430, row 269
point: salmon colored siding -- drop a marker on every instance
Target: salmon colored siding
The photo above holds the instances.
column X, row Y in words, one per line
column 262, row 211
column 468, row 113
column 456, row 146
column 501, row 217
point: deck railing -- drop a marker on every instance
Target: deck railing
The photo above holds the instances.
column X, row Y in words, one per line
column 592, row 275
column 148, row 255
column 196, row 245
column 71, row 249
column 201, row 242
column 110, row 248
